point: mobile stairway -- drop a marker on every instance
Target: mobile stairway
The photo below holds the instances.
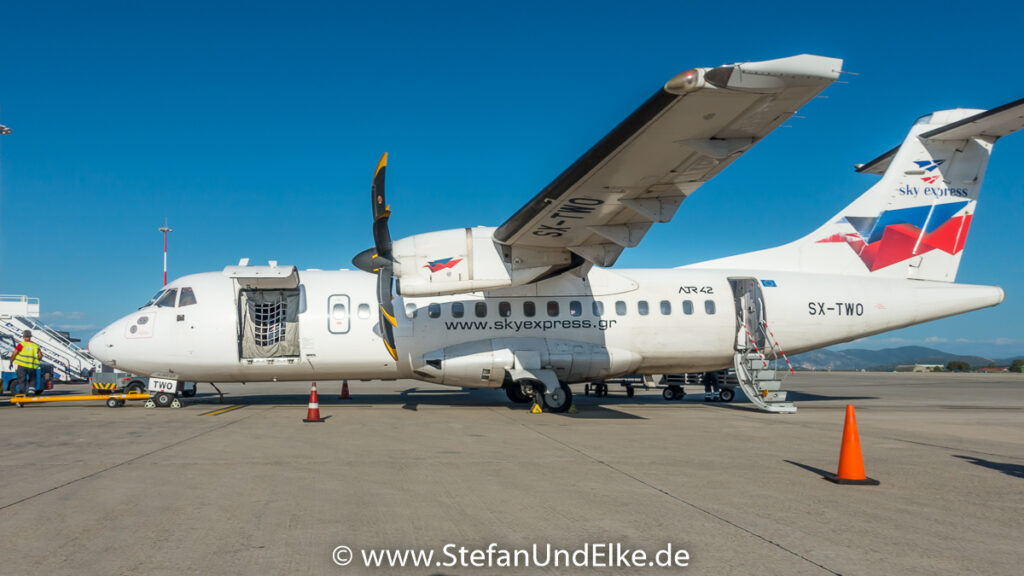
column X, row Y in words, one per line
column 20, row 313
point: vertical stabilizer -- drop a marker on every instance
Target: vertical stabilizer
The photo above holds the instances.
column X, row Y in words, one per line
column 914, row 222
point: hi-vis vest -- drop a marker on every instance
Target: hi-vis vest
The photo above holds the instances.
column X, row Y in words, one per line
column 29, row 355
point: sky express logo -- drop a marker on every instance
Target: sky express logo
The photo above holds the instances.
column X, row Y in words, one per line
column 930, row 166
column 438, row 265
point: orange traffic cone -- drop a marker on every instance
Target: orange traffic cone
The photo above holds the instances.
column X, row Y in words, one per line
column 344, row 390
column 313, row 415
column 851, row 462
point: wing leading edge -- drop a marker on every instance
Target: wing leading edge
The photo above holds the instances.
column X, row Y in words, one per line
column 641, row 171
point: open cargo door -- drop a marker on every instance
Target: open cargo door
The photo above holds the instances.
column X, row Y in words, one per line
column 269, row 303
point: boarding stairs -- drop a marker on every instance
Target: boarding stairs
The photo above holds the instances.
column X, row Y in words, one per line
column 757, row 368
column 19, row 313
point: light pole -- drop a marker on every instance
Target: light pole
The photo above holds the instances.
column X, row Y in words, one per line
column 4, row 130
column 165, row 230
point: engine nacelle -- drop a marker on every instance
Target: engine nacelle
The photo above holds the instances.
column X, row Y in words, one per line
column 466, row 260
column 484, row 363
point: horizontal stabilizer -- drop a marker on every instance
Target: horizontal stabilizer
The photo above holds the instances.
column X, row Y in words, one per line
column 994, row 123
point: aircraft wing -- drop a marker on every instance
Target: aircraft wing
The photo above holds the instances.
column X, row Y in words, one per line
column 642, row 170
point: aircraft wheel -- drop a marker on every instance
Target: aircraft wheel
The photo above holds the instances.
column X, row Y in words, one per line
column 602, row 390
column 726, row 394
column 559, row 400
column 163, row 399
column 630, row 391
column 514, row 391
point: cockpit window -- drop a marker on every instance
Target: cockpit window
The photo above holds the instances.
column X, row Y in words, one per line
column 153, row 299
column 167, row 300
column 188, row 297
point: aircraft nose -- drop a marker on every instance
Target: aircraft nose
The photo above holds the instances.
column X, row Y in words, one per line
column 100, row 345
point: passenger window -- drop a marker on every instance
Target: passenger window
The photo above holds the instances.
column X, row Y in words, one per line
column 504, row 309
column 642, row 308
column 339, row 312
column 620, row 307
column 410, row 310
column 687, row 307
column 709, row 306
column 666, row 307
column 529, row 309
column 598, row 308
column 363, row 311
column 575, row 308
column 188, row 297
column 434, row 310
column 481, row 309
column 458, row 309
column 167, row 300
column 552, row 308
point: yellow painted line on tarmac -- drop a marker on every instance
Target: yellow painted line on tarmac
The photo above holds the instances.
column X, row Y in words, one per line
column 222, row 410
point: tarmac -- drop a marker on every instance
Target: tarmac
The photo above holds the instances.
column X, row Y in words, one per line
column 247, row 487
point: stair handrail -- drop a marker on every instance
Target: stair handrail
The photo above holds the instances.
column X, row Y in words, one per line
column 57, row 349
column 753, row 343
column 776, row 345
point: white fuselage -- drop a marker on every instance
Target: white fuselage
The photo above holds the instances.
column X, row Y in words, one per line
column 606, row 324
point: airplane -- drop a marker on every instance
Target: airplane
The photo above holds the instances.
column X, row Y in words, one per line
column 533, row 306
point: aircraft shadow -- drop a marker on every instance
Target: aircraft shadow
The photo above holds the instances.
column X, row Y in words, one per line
column 589, row 407
column 413, row 398
column 1015, row 470
column 808, row 397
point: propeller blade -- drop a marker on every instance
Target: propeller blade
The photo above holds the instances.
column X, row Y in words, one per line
column 387, row 309
column 381, row 211
column 378, row 259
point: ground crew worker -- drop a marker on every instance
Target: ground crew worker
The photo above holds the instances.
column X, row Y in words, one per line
column 710, row 386
column 27, row 355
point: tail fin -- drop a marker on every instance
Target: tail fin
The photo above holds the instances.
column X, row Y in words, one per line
column 914, row 222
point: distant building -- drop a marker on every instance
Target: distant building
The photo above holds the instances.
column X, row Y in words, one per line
column 992, row 369
column 918, row 367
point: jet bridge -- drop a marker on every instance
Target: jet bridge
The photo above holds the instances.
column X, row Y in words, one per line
column 20, row 313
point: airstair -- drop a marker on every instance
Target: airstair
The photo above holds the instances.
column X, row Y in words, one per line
column 19, row 313
column 757, row 350
column 757, row 370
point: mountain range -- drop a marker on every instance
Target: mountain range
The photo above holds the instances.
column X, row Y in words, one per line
column 886, row 359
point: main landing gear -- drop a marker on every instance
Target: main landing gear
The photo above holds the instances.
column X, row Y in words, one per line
column 557, row 400
column 516, row 393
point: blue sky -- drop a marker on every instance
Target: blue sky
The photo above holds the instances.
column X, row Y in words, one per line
column 255, row 127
